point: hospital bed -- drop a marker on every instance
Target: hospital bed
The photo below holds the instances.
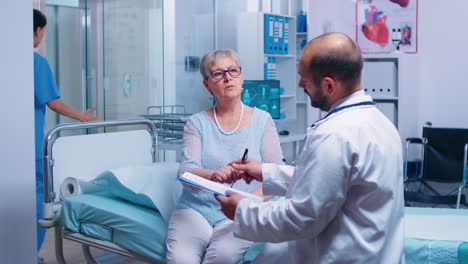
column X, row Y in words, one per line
column 94, row 219
column 107, row 218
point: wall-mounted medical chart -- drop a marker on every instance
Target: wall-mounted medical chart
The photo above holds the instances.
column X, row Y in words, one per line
column 385, row 26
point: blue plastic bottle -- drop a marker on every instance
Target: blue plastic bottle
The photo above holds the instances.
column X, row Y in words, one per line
column 275, row 103
column 246, row 97
column 264, row 100
column 301, row 22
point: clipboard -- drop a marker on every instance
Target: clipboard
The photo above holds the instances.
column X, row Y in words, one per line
column 214, row 187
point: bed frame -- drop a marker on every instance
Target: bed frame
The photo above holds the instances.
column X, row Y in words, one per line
column 90, row 155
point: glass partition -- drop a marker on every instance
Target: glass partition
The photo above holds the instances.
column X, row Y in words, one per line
column 107, row 54
column 111, row 54
column 124, row 56
column 194, row 36
column 65, row 52
column 132, row 57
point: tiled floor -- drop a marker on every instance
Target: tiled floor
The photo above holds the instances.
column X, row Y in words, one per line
column 73, row 254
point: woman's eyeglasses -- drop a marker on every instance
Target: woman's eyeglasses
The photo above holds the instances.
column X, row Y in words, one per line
column 219, row 74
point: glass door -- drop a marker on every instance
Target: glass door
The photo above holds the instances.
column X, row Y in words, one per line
column 194, row 26
column 131, row 57
column 65, row 52
column 107, row 54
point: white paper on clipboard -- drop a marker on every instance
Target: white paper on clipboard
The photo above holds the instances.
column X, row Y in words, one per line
column 214, row 187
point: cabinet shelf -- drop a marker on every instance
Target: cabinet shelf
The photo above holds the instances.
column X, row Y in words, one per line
column 280, row 55
column 385, row 99
column 380, row 80
column 284, row 96
column 251, row 26
column 291, row 138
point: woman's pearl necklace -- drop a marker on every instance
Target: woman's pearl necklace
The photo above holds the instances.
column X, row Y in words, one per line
column 238, row 123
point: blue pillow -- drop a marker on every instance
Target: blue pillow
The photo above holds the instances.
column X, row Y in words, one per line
column 154, row 186
column 108, row 182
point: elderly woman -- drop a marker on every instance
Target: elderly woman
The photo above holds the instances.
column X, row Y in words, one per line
column 198, row 230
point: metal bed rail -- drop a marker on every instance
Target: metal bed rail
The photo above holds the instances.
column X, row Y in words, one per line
column 48, row 161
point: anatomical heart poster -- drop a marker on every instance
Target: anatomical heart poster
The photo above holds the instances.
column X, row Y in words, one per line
column 385, row 26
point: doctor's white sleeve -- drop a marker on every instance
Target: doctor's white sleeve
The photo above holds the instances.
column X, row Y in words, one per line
column 314, row 195
column 276, row 178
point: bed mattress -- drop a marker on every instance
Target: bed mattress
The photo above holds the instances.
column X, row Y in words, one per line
column 136, row 228
column 133, row 227
column 142, row 230
column 422, row 251
column 436, row 235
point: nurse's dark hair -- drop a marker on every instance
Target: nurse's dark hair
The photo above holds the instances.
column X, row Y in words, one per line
column 343, row 65
column 40, row 19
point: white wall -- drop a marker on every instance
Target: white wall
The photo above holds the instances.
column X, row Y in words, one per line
column 227, row 12
column 443, row 66
column 331, row 16
column 17, row 188
column 432, row 82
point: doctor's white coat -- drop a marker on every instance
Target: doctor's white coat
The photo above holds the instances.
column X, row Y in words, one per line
column 344, row 199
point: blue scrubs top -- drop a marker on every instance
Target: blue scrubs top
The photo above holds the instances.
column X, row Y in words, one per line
column 45, row 89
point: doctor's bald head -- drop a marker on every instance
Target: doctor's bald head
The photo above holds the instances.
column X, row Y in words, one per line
column 334, row 55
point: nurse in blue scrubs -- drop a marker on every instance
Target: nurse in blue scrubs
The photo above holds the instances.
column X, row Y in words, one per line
column 47, row 93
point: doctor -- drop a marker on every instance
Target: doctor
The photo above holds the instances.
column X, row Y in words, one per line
column 343, row 202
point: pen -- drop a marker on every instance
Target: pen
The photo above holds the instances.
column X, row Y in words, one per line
column 244, row 157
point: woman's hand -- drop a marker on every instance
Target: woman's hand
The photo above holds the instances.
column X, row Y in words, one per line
column 225, row 174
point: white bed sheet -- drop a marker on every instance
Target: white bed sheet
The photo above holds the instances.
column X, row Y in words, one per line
column 436, row 223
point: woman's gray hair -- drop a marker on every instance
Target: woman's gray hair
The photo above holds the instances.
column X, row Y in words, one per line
column 209, row 59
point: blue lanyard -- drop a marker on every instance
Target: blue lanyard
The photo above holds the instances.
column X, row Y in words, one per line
column 342, row 108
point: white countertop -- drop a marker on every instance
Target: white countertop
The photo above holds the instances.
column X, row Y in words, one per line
column 291, row 138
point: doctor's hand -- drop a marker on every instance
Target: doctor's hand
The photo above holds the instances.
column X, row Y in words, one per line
column 249, row 170
column 224, row 174
column 229, row 204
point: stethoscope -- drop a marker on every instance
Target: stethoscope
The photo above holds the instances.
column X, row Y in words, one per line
column 334, row 111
